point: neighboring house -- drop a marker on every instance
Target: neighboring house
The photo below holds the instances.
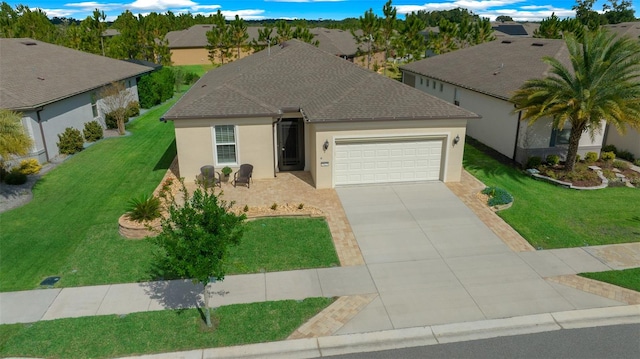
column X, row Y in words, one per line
column 297, row 107
column 482, row 78
column 512, row 28
column 189, row 47
column 630, row 141
column 55, row 87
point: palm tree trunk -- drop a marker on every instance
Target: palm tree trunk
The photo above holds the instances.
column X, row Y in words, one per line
column 572, row 151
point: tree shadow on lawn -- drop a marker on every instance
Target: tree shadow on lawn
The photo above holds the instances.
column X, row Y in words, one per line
column 490, row 162
column 167, row 157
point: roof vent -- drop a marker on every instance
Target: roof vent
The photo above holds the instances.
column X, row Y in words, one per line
column 506, row 41
column 539, row 44
column 29, row 43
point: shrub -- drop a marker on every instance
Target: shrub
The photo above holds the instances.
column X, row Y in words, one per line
column 497, row 196
column 608, row 156
column 301, row 206
column 591, row 157
column 626, row 155
column 534, row 162
column 226, row 171
column 581, row 175
column 156, row 87
column 144, row 208
column 29, row 167
column 111, row 122
column 15, row 177
column 274, row 206
column 246, row 208
column 637, row 162
column 191, row 78
column 578, row 158
column 92, row 131
column 553, row 160
column 133, row 109
column 609, row 148
column 621, row 165
column 70, row 141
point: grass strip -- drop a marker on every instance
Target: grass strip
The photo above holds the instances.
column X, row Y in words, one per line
column 549, row 216
column 157, row 332
column 277, row 244
column 626, row 278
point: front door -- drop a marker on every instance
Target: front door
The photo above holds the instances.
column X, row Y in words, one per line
column 291, row 145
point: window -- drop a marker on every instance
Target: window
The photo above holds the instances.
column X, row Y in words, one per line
column 456, row 101
column 441, row 87
column 562, row 137
column 434, row 85
column 94, row 105
column 421, row 81
column 225, row 138
column 427, row 82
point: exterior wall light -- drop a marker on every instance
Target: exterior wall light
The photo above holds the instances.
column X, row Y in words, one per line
column 456, row 140
column 325, row 145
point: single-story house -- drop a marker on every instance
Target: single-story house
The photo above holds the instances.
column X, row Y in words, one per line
column 630, row 141
column 55, row 87
column 482, row 78
column 297, row 107
column 513, row 28
column 189, row 47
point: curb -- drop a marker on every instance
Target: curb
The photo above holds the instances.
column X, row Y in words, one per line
column 418, row 336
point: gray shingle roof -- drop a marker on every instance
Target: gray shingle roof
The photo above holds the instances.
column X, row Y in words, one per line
column 196, row 36
column 336, row 41
column 631, row 29
column 35, row 73
column 496, row 68
column 299, row 75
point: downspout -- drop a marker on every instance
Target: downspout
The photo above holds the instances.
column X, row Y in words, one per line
column 515, row 147
column 44, row 142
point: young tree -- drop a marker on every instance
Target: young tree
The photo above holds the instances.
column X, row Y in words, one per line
column 618, row 12
column 14, row 140
column 238, row 32
column 370, row 27
column 413, row 42
column 602, row 85
column 197, row 235
column 388, row 29
column 586, row 15
column 284, row 31
column 504, row 18
column 219, row 38
column 115, row 99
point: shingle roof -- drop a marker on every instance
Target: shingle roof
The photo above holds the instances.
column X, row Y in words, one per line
column 336, row 41
column 35, row 73
column 299, row 75
column 496, row 68
column 196, row 36
column 631, row 29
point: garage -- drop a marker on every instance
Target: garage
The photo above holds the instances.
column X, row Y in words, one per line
column 385, row 160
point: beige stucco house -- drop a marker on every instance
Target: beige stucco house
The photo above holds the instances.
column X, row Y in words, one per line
column 300, row 108
column 482, row 78
column 55, row 87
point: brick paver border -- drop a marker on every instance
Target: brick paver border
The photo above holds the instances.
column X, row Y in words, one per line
column 599, row 288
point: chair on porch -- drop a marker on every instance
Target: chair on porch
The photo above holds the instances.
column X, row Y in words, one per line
column 243, row 175
column 209, row 177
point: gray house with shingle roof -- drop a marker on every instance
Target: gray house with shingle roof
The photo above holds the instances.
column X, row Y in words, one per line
column 300, row 108
column 55, row 87
column 482, row 78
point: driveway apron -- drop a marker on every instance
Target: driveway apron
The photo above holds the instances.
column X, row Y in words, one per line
column 434, row 262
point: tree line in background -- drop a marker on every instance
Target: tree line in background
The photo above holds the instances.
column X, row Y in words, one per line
column 143, row 37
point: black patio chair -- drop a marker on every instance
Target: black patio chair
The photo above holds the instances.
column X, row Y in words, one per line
column 243, row 175
column 209, row 177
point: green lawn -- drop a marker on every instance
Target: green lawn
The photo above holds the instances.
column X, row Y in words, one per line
column 628, row 278
column 549, row 216
column 277, row 244
column 157, row 332
column 198, row 69
column 70, row 228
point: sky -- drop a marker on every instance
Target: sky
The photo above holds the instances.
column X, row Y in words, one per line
column 519, row 10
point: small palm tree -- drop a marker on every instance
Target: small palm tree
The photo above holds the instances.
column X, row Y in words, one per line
column 14, row 140
column 602, row 85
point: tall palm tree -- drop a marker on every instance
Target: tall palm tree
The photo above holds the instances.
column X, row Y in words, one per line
column 603, row 84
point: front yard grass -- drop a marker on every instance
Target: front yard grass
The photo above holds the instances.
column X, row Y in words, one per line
column 627, row 278
column 156, row 332
column 70, row 228
column 277, row 244
column 549, row 216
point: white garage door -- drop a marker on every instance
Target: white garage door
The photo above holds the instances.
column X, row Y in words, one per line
column 387, row 161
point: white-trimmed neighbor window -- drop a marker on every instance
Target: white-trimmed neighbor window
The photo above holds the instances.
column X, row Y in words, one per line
column 94, row 104
column 225, row 141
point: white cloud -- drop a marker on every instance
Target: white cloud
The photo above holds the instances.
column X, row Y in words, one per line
column 304, row 1
column 161, row 5
column 245, row 14
column 92, row 5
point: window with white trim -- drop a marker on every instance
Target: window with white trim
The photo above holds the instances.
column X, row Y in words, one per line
column 94, row 104
column 225, row 141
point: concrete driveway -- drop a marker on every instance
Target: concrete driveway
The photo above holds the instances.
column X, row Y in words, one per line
column 434, row 262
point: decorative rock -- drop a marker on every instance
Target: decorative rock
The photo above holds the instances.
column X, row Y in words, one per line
column 616, row 170
column 532, row 171
column 595, row 168
column 620, row 175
